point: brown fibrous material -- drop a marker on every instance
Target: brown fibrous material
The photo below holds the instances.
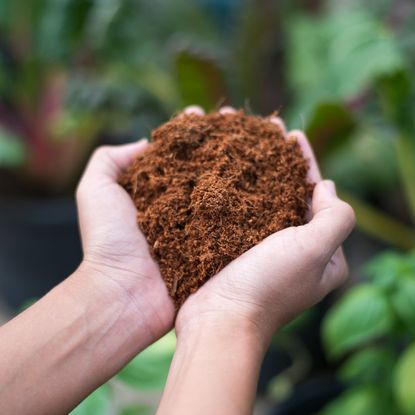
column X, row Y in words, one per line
column 211, row 187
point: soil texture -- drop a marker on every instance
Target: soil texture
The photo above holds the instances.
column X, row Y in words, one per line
column 211, row 187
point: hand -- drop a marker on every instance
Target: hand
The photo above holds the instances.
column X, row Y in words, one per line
column 283, row 275
column 115, row 250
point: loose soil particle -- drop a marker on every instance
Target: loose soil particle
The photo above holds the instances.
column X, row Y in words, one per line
column 211, row 187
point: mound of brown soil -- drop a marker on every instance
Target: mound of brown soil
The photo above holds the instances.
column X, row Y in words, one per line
column 211, row 187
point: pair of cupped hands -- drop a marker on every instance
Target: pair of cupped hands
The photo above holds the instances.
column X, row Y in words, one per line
column 258, row 292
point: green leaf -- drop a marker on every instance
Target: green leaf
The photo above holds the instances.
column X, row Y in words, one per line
column 359, row 401
column 329, row 127
column 150, row 368
column 404, row 381
column 369, row 365
column 12, row 149
column 361, row 50
column 360, row 316
column 338, row 56
column 385, row 269
column 403, row 301
column 200, row 80
column 96, row 403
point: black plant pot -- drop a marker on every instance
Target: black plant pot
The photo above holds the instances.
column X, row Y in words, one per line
column 39, row 247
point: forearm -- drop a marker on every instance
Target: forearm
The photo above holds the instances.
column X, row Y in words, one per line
column 214, row 371
column 64, row 346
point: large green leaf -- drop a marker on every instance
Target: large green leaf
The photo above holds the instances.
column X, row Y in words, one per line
column 369, row 365
column 361, row 50
column 96, row 403
column 150, row 368
column 387, row 268
column 362, row 315
column 403, row 301
column 404, row 380
column 338, row 56
column 200, row 80
column 360, row 401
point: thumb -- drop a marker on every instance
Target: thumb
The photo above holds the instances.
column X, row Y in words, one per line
column 333, row 219
column 101, row 201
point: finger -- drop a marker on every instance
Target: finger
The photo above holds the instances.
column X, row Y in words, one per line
column 332, row 221
column 314, row 171
column 279, row 122
column 194, row 109
column 101, row 200
column 107, row 162
column 227, row 110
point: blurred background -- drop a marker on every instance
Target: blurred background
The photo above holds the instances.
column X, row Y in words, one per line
column 75, row 74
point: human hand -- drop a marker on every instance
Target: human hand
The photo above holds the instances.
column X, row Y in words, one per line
column 116, row 253
column 283, row 275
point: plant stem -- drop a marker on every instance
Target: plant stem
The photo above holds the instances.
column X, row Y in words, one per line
column 380, row 225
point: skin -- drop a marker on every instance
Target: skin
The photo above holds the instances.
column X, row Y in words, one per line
column 115, row 304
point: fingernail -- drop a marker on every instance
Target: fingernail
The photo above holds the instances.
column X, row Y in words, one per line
column 194, row 109
column 330, row 186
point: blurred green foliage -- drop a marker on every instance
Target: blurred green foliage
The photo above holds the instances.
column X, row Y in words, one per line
column 374, row 325
column 73, row 71
column 147, row 371
column 350, row 74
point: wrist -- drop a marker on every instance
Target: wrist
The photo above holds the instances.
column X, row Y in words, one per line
column 219, row 359
column 232, row 330
column 111, row 310
column 214, row 313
